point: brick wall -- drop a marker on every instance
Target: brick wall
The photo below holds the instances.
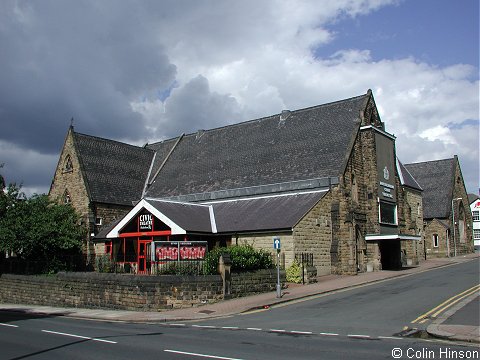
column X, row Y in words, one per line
column 128, row 292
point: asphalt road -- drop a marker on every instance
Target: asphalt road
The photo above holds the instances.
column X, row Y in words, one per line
column 360, row 323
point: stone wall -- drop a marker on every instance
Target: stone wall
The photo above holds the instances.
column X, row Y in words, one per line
column 313, row 234
column 128, row 292
column 265, row 242
column 439, row 228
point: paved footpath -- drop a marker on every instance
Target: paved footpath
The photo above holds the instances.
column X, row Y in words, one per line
column 325, row 284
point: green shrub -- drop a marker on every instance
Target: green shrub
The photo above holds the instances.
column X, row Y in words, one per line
column 104, row 264
column 243, row 257
column 294, row 273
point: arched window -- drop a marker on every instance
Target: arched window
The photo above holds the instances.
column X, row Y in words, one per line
column 461, row 223
column 354, row 189
column 66, row 197
column 68, row 165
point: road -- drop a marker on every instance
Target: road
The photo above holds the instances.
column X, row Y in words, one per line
column 358, row 323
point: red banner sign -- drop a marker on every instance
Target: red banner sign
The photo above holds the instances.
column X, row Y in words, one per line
column 169, row 251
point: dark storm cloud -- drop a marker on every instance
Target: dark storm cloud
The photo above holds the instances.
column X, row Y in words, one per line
column 76, row 59
column 195, row 107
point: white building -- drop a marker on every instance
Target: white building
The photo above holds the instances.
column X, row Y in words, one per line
column 475, row 208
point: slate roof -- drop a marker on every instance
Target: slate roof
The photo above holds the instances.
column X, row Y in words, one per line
column 191, row 217
column 261, row 214
column 472, row 198
column 406, row 178
column 115, row 172
column 436, row 178
column 310, row 143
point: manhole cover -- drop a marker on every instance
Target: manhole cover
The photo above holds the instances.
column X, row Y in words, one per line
column 206, row 311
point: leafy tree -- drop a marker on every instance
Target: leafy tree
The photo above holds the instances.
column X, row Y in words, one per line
column 39, row 230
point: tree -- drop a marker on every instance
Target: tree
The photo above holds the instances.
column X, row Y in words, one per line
column 38, row 230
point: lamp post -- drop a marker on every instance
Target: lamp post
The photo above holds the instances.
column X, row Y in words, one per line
column 453, row 224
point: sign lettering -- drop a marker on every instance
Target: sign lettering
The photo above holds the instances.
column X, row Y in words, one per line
column 182, row 251
column 145, row 222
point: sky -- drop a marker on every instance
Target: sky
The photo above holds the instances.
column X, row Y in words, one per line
column 143, row 71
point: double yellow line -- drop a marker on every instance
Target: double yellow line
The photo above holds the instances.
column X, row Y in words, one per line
column 446, row 304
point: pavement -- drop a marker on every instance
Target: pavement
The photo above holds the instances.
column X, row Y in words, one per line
column 440, row 327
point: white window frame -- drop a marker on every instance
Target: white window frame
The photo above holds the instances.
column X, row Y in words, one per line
column 476, row 215
column 476, row 234
column 395, row 215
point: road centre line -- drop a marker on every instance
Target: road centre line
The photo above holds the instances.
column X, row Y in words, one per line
column 230, row 327
column 200, row 355
column 79, row 336
column 447, row 303
column 9, row 325
column 255, row 329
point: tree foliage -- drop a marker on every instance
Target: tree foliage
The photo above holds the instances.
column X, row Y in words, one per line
column 37, row 229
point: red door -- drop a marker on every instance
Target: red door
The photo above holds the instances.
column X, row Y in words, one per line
column 144, row 256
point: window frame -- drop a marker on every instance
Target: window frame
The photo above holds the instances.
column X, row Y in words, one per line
column 395, row 213
column 476, row 215
column 435, row 240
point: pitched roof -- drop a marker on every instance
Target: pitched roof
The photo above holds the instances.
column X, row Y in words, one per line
column 244, row 215
column 472, row 198
column 406, row 179
column 436, row 178
column 261, row 214
column 114, row 172
column 303, row 144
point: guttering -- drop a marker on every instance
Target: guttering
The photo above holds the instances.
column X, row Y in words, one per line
column 393, row 137
column 379, row 237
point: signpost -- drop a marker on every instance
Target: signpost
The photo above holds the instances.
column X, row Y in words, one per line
column 276, row 246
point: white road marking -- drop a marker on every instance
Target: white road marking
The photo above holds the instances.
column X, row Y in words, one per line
column 277, row 330
column 204, row 326
column 230, row 327
column 359, row 336
column 301, row 332
column 200, row 355
column 390, row 337
column 9, row 325
column 176, row 324
column 328, row 334
column 255, row 329
column 79, row 336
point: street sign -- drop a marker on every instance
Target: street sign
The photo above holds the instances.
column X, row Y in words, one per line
column 276, row 243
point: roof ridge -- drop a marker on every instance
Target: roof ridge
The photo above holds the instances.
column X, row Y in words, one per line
column 430, row 161
column 308, row 108
column 113, row 141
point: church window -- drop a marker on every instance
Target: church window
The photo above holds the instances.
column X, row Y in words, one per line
column 68, row 165
column 66, row 197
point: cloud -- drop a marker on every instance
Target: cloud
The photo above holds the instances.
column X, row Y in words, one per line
column 142, row 72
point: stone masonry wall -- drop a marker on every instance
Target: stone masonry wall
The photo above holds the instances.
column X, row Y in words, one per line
column 265, row 242
column 128, row 292
column 313, row 234
column 70, row 180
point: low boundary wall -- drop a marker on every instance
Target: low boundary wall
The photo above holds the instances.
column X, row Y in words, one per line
column 129, row 292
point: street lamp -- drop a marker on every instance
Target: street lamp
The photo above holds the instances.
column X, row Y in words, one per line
column 453, row 224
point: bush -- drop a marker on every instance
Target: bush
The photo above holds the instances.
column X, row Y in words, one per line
column 294, row 273
column 244, row 258
column 104, row 264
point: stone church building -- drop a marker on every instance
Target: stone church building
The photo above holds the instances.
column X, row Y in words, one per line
column 447, row 218
column 325, row 180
